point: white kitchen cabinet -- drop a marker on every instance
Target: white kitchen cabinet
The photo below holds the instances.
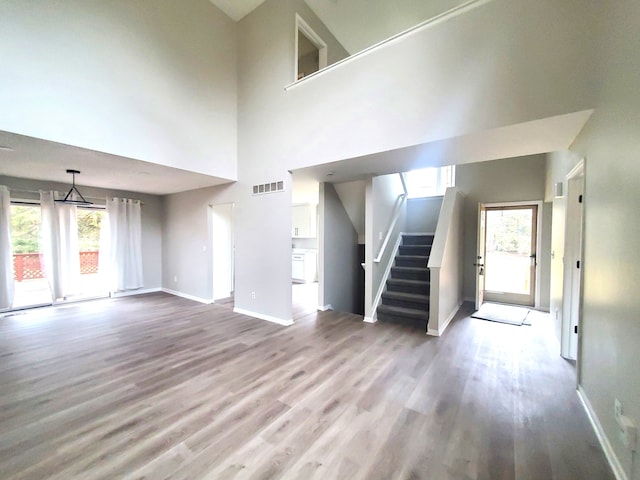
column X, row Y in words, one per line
column 304, row 266
column 304, row 221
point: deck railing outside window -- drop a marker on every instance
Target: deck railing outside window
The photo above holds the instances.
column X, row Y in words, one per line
column 28, row 266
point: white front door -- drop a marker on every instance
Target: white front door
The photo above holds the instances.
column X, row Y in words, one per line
column 510, row 254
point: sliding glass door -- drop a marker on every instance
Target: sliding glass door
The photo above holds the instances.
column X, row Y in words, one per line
column 91, row 282
column 32, row 288
column 30, row 282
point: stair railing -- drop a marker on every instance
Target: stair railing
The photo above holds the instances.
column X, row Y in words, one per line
column 394, row 218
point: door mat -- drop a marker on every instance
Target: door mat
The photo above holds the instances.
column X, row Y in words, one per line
column 495, row 312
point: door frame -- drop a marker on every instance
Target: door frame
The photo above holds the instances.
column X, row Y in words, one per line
column 212, row 247
column 539, row 205
column 573, row 237
column 480, row 252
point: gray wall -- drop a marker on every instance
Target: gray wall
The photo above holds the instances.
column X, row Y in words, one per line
column 509, row 180
column 422, row 214
column 340, row 265
column 151, row 219
column 153, row 80
column 608, row 351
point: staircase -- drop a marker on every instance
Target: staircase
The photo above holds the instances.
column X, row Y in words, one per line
column 406, row 298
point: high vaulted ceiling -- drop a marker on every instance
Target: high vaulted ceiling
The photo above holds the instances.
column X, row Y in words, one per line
column 237, row 9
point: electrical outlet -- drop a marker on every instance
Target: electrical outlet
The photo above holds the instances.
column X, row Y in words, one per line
column 253, row 295
column 617, row 411
column 175, row 279
column 379, row 235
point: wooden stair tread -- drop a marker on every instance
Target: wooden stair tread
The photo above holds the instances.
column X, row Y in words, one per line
column 414, row 297
column 409, row 269
column 408, row 282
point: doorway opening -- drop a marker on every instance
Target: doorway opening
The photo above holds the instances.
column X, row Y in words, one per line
column 311, row 50
column 305, row 272
column 222, row 253
column 507, row 253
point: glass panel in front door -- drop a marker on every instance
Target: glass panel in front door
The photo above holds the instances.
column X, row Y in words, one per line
column 510, row 254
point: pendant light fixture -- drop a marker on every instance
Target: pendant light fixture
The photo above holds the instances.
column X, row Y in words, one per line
column 74, row 197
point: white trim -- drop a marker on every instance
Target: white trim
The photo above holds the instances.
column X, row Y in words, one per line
column 321, row 45
column 268, row 318
column 187, row 296
column 576, row 171
column 326, row 307
column 373, row 319
column 385, row 276
column 140, row 291
column 440, row 331
column 567, row 267
column 453, row 12
column 612, row 458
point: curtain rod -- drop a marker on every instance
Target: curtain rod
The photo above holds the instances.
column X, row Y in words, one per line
column 37, row 192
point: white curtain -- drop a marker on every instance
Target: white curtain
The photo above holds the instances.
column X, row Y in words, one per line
column 6, row 255
column 60, row 246
column 121, row 245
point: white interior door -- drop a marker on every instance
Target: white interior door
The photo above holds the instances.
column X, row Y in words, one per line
column 222, row 248
column 479, row 264
column 572, row 268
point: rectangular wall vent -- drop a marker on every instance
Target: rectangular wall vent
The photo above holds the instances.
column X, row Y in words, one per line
column 272, row 187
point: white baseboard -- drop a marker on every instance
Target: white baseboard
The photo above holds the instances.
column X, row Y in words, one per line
column 140, row 291
column 373, row 319
column 325, row 308
column 187, row 296
column 443, row 327
column 612, row 458
column 268, row 318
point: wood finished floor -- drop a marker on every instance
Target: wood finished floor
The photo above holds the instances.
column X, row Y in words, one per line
column 159, row 387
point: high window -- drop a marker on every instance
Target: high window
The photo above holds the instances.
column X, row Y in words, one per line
column 430, row 182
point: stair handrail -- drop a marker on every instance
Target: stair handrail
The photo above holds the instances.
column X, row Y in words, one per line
column 396, row 214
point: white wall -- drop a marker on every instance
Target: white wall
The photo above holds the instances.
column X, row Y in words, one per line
column 507, row 62
column 608, row 353
column 339, row 258
column 151, row 212
column 153, row 80
column 262, row 223
column 352, row 195
column 381, row 202
column 445, row 264
column 509, row 180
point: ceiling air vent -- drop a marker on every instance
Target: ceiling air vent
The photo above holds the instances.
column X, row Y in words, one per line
column 272, row 187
